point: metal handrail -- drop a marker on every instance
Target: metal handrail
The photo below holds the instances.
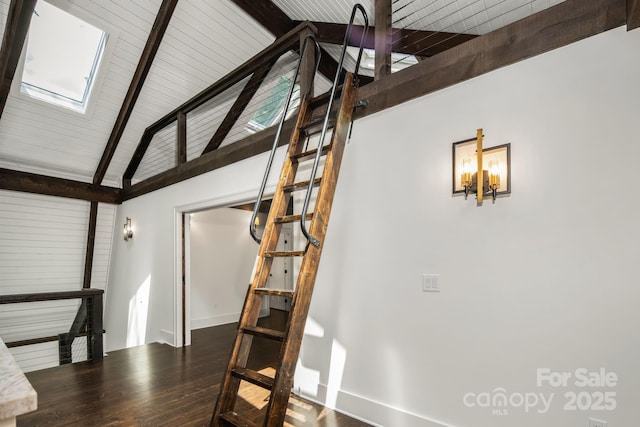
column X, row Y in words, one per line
column 314, row 170
column 252, row 225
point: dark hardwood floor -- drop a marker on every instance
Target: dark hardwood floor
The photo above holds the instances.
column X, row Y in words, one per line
column 158, row 385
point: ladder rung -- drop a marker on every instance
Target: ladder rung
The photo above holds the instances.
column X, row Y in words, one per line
column 291, row 218
column 314, row 126
column 274, row 292
column 253, row 377
column 275, row 254
column 264, row 333
column 301, row 157
column 302, row 185
column 233, row 419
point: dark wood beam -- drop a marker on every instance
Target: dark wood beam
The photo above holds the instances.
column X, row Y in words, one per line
column 41, row 184
column 633, row 14
column 552, row 28
column 383, row 32
column 267, row 14
column 142, row 70
column 181, row 152
column 15, row 33
column 238, row 106
column 251, row 146
column 411, row 42
column 91, row 241
column 275, row 50
column 271, row 17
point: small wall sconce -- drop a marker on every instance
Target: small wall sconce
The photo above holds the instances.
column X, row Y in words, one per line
column 128, row 230
column 495, row 163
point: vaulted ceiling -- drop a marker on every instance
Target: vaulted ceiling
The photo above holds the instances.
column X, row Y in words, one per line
column 204, row 40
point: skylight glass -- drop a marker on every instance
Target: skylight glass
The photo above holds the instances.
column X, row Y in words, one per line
column 62, row 58
column 272, row 108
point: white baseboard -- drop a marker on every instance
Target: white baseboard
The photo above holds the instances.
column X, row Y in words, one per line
column 166, row 337
column 370, row 411
column 221, row 319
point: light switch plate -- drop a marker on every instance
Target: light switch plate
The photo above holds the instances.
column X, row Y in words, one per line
column 430, row 283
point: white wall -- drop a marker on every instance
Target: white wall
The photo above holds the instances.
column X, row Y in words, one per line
column 222, row 258
column 142, row 283
column 546, row 278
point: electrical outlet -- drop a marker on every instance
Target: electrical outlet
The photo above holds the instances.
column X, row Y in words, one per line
column 597, row 423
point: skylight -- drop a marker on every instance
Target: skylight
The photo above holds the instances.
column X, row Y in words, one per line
column 272, row 108
column 62, row 58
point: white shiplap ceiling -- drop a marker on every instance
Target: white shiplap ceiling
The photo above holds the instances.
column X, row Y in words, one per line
column 204, row 41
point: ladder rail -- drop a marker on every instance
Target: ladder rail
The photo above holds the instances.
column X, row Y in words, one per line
column 256, row 207
column 305, row 207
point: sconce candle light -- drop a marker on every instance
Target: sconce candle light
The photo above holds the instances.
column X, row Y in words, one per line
column 128, row 230
column 494, row 163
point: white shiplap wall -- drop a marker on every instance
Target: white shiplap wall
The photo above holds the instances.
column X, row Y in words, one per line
column 42, row 249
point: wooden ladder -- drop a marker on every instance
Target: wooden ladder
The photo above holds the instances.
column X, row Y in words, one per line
column 291, row 337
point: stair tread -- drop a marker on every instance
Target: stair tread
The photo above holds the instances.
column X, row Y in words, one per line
column 314, row 125
column 273, row 254
column 291, row 218
column 235, row 420
column 275, row 292
column 254, row 377
column 301, row 185
column 264, row 332
column 301, row 157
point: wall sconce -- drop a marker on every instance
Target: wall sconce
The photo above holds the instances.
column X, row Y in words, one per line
column 128, row 230
column 495, row 163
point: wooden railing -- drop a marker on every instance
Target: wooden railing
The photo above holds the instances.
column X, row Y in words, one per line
column 88, row 322
column 254, row 66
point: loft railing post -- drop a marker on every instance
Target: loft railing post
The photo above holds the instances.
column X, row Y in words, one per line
column 94, row 328
column 64, row 348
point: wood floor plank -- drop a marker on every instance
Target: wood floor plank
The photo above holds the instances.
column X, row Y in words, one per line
column 158, row 385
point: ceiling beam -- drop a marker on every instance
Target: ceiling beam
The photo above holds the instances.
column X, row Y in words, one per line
column 271, row 17
column 633, row 14
column 142, row 70
column 41, row 184
column 15, row 33
column 238, row 106
column 411, row 42
column 383, row 33
column 552, row 28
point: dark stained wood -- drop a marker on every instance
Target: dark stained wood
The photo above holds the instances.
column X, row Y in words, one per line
column 238, row 106
column 157, row 384
column 382, row 67
column 633, row 14
column 15, row 33
column 181, row 152
column 31, row 341
column 183, row 242
column 268, row 15
column 549, row 29
column 91, row 240
column 271, row 17
column 41, row 184
column 254, row 144
column 275, row 50
column 411, row 42
column 142, row 70
column 49, row 296
column 253, row 377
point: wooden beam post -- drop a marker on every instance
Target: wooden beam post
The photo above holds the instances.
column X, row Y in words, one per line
column 15, row 33
column 238, row 107
column 91, row 240
column 383, row 39
column 142, row 70
column 181, row 152
column 307, row 65
column 633, row 14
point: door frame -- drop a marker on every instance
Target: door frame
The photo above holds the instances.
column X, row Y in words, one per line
column 182, row 306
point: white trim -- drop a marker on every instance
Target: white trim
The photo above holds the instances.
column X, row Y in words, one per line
column 378, row 413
